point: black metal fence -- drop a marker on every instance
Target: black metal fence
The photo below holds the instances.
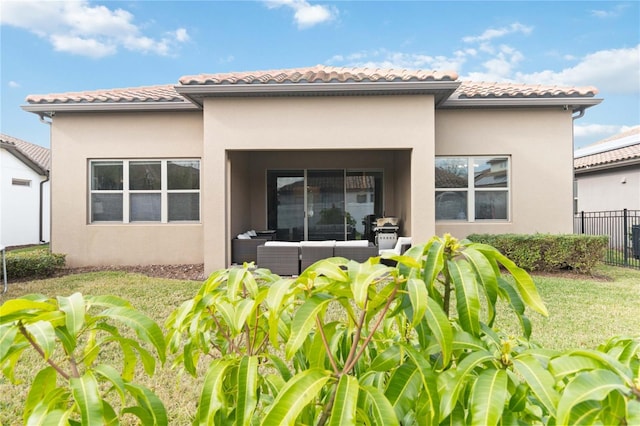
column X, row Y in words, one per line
column 623, row 229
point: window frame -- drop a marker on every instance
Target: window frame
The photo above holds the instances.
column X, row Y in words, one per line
column 126, row 193
column 471, row 189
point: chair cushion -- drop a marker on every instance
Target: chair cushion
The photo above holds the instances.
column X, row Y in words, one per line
column 353, row 243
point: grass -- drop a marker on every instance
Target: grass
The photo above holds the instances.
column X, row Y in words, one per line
column 583, row 312
column 29, row 248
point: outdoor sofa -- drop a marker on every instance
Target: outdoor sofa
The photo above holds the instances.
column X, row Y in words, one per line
column 291, row 258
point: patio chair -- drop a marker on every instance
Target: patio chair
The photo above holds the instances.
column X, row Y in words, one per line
column 358, row 250
column 245, row 250
column 403, row 244
column 313, row 251
column 281, row 258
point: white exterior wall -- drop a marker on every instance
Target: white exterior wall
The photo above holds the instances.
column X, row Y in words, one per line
column 609, row 190
column 20, row 205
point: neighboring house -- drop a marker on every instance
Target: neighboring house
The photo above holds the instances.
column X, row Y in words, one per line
column 24, row 192
column 607, row 173
column 170, row 174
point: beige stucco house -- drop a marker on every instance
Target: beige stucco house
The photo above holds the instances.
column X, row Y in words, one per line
column 171, row 174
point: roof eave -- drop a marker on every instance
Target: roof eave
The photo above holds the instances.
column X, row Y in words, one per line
column 440, row 89
column 607, row 166
column 49, row 109
column 16, row 152
column 573, row 103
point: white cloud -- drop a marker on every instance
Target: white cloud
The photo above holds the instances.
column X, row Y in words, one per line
column 13, row 84
column 613, row 71
column 612, row 13
column 77, row 27
column 383, row 58
column 492, row 33
column 305, row 15
column 590, row 133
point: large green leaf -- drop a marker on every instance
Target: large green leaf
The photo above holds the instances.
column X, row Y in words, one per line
column 303, row 388
column 43, row 383
column 364, row 280
column 467, row 297
column 429, row 392
column 523, row 280
column 212, row 398
column 8, row 333
column 403, row 388
column 150, row 404
column 111, row 375
column 433, row 264
column 387, row 359
column 441, row 328
column 451, row 382
column 378, row 407
column 418, row 296
column 345, row 402
column 145, row 327
column 73, row 308
column 488, row 397
column 44, row 335
column 540, row 381
column 486, row 277
column 247, row 390
column 592, row 385
column 23, row 308
column 87, row 395
column 304, row 321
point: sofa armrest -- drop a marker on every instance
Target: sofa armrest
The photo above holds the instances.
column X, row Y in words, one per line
column 245, row 250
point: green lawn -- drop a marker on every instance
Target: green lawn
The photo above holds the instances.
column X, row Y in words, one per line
column 583, row 313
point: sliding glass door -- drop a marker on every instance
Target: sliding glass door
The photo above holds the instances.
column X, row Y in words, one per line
column 320, row 205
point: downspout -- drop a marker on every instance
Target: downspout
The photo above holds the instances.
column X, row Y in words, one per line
column 41, row 231
column 47, row 174
column 580, row 114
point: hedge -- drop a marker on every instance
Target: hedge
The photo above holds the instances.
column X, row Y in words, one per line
column 33, row 264
column 549, row 253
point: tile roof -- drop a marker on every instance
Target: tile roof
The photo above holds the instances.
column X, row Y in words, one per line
column 470, row 89
column 618, row 154
column 318, row 74
column 310, row 75
column 160, row 93
column 37, row 154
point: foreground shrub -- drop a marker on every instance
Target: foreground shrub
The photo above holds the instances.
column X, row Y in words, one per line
column 348, row 343
column 345, row 343
column 549, row 253
column 75, row 383
column 33, row 264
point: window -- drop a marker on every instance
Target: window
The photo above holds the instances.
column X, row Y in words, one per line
column 20, row 182
column 472, row 188
column 144, row 190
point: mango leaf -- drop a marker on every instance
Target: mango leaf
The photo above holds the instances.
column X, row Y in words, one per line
column 345, row 402
column 403, row 388
column 8, row 334
column 294, row 396
column 467, row 298
column 111, row 375
column 107, row 301
column 540, row 381
column 611, row 363
column 451, row 382
column 73, row 308
column 22, row 308
column 418, row 296
column 304, row 321
column 591, row 385
column 387, row 359
column 43, row 383
column 523, row 280
column 441, row 328
column 330, row 268
column 87, row 395
column 488, row 397
column 44, row 335
column 145, row 327
column 633, row 412
column 150, row 403
column 571, row 364
column 378, row 407
column 430, row 399
column 212, row 398
column 486, row 277
column 362, row 282
column 243, row 309
column 247, row 390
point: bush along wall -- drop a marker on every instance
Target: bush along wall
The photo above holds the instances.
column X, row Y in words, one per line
column 549, row 253
column 33, row 264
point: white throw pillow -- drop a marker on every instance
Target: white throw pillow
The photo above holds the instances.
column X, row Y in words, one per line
column 243, row 237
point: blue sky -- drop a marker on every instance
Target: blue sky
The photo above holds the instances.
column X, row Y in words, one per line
column 64, row 46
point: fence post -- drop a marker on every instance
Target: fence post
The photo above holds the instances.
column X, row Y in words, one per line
column 625, row 235
column 582, row 222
